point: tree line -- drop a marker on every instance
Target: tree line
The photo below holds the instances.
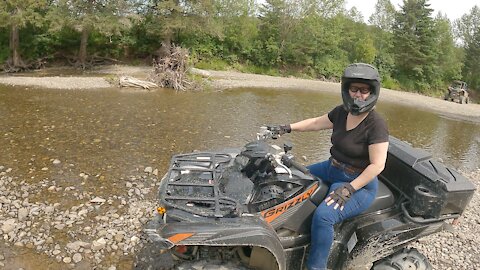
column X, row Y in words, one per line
column 413, row 48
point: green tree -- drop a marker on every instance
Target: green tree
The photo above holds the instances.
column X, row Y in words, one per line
column 382, row 20
column 384, row 15
column 15, row 15
column 277, row 24
column 468, row 30
column 240, row 27
column 328, row 8
column 108, row 17
column 358, row 41
column 448, row 63
column 414, row 45
column 355, row 15
column 169, row 20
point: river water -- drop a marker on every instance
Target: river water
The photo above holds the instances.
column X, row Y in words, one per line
column 110, row 134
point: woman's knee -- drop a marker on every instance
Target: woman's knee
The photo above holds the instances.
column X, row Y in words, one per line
column 324, row 216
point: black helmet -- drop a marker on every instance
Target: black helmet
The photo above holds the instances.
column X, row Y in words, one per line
column 360, row 73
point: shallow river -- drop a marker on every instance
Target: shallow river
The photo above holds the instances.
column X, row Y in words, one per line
column 111, row 134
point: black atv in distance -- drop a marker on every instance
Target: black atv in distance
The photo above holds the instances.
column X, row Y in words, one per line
column 251, row 208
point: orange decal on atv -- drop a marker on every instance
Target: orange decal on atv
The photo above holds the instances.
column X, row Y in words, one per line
column 179, row 237
column 273, row 213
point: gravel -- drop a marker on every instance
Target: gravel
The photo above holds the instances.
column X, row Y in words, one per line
column 95, row 226
column 57, row 82
column 98, row 226
column 459, row 247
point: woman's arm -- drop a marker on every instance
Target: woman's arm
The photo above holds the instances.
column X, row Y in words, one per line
column 313, row 124
column 378, row 158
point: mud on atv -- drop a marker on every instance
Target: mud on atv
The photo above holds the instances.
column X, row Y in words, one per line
column 251, row 208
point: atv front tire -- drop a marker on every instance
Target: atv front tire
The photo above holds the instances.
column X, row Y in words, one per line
column 406, row 259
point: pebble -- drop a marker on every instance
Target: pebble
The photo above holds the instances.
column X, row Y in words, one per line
column 98, row 200
column 99, row 244
column 77, row 257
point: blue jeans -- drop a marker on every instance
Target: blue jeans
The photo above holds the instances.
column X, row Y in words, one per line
column 325, row 216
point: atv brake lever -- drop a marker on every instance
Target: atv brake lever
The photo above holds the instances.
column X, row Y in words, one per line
column 264, row 134
column 285, row 167
column 278, row 161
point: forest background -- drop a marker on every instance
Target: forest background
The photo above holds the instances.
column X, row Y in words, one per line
column 413, row 49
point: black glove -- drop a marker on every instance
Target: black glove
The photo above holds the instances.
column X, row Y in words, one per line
column 340, row 196
column 279, row 130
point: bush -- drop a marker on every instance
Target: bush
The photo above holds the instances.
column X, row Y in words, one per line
column 390, row 83
column 212, row 63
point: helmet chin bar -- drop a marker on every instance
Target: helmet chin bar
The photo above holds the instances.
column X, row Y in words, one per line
column 357, row 106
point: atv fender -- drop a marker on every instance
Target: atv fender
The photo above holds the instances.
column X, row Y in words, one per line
column 242, row 231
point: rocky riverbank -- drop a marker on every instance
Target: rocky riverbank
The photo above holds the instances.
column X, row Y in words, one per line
column 90, row 231
column 97, row 232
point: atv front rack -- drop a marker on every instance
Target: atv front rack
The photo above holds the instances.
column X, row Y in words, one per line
column 193, row 185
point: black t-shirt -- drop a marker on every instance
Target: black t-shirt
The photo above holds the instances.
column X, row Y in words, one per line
column 351, row 146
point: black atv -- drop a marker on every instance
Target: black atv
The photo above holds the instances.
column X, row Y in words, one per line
column 251, row 208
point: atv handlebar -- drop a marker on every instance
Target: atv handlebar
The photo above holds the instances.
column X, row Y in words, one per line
column 287, row 160
column 265, row 134
column 290, row 162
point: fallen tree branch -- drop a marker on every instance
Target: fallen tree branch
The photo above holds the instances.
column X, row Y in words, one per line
column 127, row 81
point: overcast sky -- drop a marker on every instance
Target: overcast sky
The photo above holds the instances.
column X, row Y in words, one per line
column 453, row 8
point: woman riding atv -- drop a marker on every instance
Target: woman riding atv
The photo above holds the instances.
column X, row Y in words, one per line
column 358, row 156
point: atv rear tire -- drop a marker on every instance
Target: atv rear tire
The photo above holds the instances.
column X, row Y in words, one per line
column 406, row 259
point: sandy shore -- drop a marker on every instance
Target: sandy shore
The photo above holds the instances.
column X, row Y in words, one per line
column 100, row 77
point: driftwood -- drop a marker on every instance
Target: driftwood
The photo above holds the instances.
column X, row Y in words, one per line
column 126, row 81
column 170, row 71
column 39, row 63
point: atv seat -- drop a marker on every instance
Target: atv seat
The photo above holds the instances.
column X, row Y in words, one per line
column 383, row 199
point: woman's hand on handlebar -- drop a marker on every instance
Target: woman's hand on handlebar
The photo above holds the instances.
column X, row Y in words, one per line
column 279, row 130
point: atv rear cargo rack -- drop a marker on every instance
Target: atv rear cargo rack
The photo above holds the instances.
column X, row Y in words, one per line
column 193, row 185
